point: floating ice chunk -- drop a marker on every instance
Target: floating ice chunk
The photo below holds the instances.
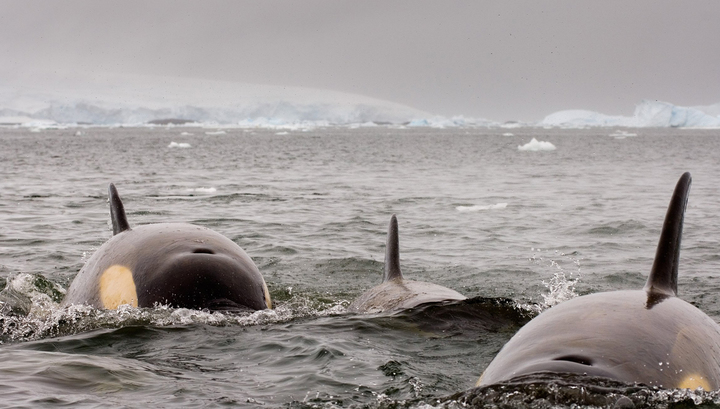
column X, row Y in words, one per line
column 203, row 190
column 281, row 133
column 477, row 208
column 535, row 145
column 179, row 145
column 508, row 134
column 186, row 133
column 215, row 133
column 622, row 134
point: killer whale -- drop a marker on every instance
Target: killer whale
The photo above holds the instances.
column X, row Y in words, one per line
column 395, row 292
column 175, row 264
column 647, row 336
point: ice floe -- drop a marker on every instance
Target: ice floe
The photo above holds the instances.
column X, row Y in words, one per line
column 534, row 145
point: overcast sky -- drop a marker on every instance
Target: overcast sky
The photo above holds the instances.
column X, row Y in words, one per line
column 500, row 60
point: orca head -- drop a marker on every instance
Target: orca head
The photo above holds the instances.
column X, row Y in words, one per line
column 205, row 277
column 187, row 266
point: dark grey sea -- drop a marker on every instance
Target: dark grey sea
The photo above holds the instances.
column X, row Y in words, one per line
column 515, row 231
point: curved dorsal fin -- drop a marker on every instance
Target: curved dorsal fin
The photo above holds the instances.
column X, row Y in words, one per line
column 117, row 211
column 663, row 276
column 392, row 252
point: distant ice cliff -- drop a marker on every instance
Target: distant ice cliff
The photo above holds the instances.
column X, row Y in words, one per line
column 140, row 100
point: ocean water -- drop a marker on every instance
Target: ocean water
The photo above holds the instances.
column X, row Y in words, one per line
column 516, row 231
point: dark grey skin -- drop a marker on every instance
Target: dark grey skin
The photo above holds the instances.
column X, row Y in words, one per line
column 395, row 293
column 644, row 336
column 175, row 264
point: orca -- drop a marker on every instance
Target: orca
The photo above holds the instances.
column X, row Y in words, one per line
column 647, row 336
column 396, row 293
column 174, row 264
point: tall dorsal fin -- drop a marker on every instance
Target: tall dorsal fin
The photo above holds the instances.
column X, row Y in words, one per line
column 392, row 252
column 117, row 211
column 663, row 276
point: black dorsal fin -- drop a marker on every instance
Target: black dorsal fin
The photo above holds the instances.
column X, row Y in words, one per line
column 392, row 252
column 663, row 276
column 117, row 211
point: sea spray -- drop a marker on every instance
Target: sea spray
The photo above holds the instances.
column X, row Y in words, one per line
column 30, row 310
column 561, row 286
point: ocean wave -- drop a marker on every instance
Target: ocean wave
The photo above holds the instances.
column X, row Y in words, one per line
column 477, row 208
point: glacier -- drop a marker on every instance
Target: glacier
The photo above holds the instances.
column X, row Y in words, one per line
column 139, row 100
column 127, row 100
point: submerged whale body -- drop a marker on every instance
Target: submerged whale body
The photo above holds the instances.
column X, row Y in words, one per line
column 395, row 293
column 175, row 264
column 644, row 336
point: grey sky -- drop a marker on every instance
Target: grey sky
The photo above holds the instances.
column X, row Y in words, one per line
column 500, row 60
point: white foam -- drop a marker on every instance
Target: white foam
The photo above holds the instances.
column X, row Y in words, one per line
column 203, row 190
column 47, row 318
column 186, row 133
column 281, row 133
column 215, row 133
column 508, row 134
column 179, row 145
column 477, row 208
column 534, row 145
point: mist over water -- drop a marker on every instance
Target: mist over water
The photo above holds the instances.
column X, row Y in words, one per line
column 516, row 231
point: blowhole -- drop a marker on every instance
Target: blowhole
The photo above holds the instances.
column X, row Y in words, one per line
column 203, row 251
column 575, row 358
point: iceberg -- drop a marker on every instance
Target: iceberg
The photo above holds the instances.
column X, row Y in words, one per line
column 648, row 114
column 663, row 115
column 534, row 145
column 712, row 110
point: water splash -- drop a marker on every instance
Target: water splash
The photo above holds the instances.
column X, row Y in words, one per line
column 30, row 309
column 561, row 286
